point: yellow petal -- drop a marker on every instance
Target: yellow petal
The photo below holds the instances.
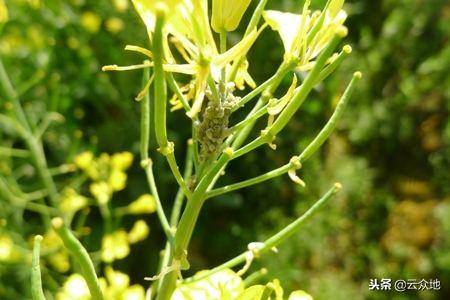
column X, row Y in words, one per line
column 237, row 51
column 287, row 25
column 226, row 14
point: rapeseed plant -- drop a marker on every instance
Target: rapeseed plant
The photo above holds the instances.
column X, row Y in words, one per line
column 182, row 41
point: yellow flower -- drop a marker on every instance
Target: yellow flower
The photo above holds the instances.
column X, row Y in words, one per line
column 300, row 295
column 91, row 21
column 226, row 14
column 101, row 191
column 71, row 201
column 139, row 232
column 294, row 30
column 6, row 247
column 191, row 34
column 225, row 284
column 117, row 180
column 84, row 160
column 115, row 246
column 116, row 285
column 134, row 292
column 147, row 10
column 3, row 12
column 145, row 204
column 59, row 259
column 121, row 5
column 114, row 25
column 116, row 279
column 75, row 288
column 121, row 161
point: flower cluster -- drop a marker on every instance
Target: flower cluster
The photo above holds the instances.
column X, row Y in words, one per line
column 107, row 173
column 115, row 285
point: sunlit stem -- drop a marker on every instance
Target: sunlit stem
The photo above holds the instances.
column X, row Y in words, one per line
column 36, row 282
column 165, row 147
column 160, row 83
column 81, row 256
column 223, row 49
column 255, row 277
column 146, row 162
column 236, row 186
column 178, row 203
column 331, row 124
column 346, row 50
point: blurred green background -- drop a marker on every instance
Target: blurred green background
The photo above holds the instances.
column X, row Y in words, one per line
column 391, row 151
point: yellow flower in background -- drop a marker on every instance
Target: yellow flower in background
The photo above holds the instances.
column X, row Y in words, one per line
column 226, row 14
column 121, row 5
column 145, row 204
column 116, row 279
column 139, row 232
column 115, row 246
column 300, row 295
column 3, row 12
column 91, row 21
column 59, row 261
column 117, row 180
column 225, row 284
column 75, row 288
column 121, row 161
column 71, row 201
column 6, row 247
column 114, row 25
column 51, row 243
column 84, row 160
column 134, row 292
column 35, row 3
column 116, row 285
column 101, row 191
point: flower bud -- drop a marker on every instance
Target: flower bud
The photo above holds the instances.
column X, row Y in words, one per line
column 226, row 14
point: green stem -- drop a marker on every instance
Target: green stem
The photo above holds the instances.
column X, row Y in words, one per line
column 36, row 282
column 276, row 239
column 255, row 277
column 346, row 50
column 223, row 49
column 305, row 88
column 33, row 144
column 178, row 203
column 285, row 68
column 236, row 186
column 80, row 254
column 146, row 161
column 331, row 124
column 160, row 83
column 173, row 85
column 309, row 150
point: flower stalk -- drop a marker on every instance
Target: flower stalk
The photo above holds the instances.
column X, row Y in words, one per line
column 36, row 282
column 208, row 100
column 80, row 255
